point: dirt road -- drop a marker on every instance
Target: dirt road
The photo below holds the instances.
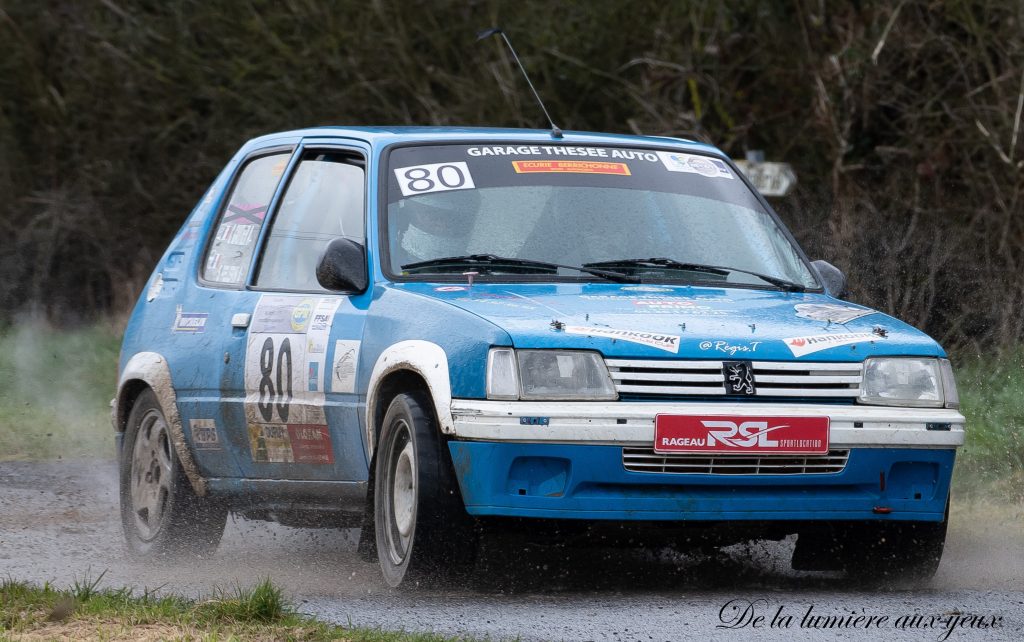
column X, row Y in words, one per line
column 59, row 523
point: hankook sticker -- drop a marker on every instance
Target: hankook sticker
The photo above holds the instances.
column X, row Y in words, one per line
column 801, row 346
column 667, row 342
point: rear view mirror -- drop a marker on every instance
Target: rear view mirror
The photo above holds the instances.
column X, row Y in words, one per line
column 832, row 278
column 342, row 267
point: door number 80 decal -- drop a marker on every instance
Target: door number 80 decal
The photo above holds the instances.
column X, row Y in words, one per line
column 436, row 177
column 269, row 395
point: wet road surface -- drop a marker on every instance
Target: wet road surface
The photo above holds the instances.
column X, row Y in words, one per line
column 59, row 522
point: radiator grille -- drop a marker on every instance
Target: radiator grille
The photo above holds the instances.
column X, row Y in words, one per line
column 772, row 379
column 645, row 460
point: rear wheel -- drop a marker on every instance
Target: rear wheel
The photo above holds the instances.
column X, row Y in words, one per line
column 423, row 533
column 160, row 513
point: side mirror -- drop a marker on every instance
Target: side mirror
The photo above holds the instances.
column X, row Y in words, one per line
column 342, row 267
column 832, row 277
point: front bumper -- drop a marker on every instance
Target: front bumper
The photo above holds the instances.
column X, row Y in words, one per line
column 509, row 463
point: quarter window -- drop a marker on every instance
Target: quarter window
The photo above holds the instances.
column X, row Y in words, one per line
column 323, row 201
column 234, row 241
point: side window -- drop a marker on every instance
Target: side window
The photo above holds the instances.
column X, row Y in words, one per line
column 323, row 200
column 234, row 240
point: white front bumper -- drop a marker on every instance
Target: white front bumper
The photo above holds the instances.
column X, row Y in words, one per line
column 632, row 423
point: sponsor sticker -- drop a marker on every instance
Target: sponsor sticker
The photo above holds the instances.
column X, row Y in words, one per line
column 667, row 342
column 645, row 288
column 301, row 314
column 343, row 370
column 730, row 349
column 570, row 167
column 314, row 376
column 290, row 444
column 204, row 434
column 695, row 164
column 830, row 312
column 311, row 444
column 741, row 435
column 677, row 306
column 270, row 444
column 435, row 177
column 801, row 346
column 561, row 150
column 189, row 322
column 156, row 287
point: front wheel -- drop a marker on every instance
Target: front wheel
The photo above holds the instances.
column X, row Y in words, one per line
column 874, row 552
column 422, row 530
column 160, row 513
column 894, row 552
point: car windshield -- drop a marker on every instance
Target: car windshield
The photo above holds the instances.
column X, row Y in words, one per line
column 653, row 215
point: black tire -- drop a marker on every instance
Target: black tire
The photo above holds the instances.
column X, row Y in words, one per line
column 160, row 513
column 893, row 552
column 874, row 553
column 423, row 533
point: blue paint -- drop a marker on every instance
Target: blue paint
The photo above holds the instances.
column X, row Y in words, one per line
column 597, row 486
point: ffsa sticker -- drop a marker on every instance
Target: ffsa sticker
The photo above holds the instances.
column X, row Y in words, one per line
column 694, row 164
column 436, row 177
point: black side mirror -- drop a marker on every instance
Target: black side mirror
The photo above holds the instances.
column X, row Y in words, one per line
column 342, row 267
column 832, row 277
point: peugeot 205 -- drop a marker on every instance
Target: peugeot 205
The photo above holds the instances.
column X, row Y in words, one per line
column 421, row 330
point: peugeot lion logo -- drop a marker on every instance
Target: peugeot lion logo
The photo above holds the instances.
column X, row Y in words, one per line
column 739, row 378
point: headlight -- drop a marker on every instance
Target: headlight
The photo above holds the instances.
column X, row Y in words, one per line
column 548, row 375
column 907, row 381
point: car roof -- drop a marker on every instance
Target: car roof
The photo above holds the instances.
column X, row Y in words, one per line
column 381, row 136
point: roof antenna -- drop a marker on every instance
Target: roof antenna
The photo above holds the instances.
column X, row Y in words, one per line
column 555, row 131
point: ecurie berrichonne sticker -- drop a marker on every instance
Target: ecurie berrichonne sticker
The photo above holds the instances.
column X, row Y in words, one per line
column 741, row 435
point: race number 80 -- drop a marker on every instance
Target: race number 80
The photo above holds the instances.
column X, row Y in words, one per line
column 438, row 177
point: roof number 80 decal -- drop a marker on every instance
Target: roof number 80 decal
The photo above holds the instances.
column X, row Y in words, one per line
column 437, row 177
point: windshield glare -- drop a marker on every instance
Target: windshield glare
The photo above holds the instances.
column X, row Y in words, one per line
column 539, row 203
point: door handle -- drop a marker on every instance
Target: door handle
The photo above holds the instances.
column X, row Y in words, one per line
column 241, row 320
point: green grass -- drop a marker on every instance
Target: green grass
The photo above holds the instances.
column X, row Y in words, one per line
column 992, row 398
column 84, row 611
column 55, row 390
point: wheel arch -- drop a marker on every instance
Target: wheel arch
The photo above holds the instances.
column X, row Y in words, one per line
column 401, row 366
column 150, row 371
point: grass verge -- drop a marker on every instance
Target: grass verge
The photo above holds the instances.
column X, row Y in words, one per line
column 991, row 463
column 86, row 612
column 55, row 391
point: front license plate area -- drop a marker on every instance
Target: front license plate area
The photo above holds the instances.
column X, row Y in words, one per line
column 727, row 434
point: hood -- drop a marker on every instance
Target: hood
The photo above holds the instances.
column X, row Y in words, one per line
column 683, row 322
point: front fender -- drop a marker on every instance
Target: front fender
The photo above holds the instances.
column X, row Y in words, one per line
column 424, row 358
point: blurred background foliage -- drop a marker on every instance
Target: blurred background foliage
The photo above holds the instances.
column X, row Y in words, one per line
column 901, row 120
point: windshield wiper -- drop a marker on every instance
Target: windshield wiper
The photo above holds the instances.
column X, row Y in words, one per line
column 492, row 260
column 659, row 262
column 672, row 264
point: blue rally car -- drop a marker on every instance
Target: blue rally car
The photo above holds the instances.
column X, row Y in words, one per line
column 420, row 331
